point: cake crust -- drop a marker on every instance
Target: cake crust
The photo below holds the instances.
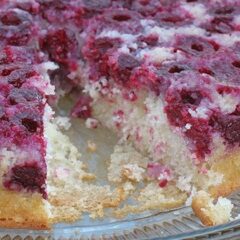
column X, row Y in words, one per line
column 20, row 210
column 229, row 166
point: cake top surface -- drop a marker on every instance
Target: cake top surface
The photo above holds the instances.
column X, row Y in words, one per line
column 185, row 52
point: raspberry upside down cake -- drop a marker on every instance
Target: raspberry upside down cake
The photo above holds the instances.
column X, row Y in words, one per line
column 164, row 75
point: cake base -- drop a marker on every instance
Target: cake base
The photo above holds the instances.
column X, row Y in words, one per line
column 229, row 166
column 23, row 210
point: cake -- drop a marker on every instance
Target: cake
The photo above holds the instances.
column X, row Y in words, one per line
column 162, row 75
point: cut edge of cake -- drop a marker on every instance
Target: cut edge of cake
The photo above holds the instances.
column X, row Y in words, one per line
column 23, row 210
column 211, row 213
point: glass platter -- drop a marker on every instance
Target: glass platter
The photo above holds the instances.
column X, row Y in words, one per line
column 175, row 224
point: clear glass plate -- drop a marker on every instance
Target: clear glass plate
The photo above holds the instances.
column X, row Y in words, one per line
column 175, row 224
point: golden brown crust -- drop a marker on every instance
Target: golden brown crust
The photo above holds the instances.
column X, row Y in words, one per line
column 229, row 167
column 200, row 202
column 19, row 210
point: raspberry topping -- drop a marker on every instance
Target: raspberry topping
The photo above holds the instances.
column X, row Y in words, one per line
column 196, row 46
column 28, row 176
column 22, row 103
column 186, row 53
column 229, row 126
column 60, row 44
column 160, row 173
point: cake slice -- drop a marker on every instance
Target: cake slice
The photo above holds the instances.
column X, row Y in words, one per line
column 24, row 88
column 210, row 213
column 34, row 160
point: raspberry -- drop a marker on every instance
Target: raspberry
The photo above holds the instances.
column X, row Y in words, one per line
column 206, row 71
column 160, row 173
column 163, row 183
column 82, row 108
column 229, row 127
column 29, row 176
column 11, row 18
column 150, row 40
column 176, row 69
column 185, row 97
column 225, row 10
column 199, row 133
column 31, row 7
column 126, row 61
column 30, row 120
column 191, row 97
column 220, row 25
column 60, row 45
column 122, row 69
column 30, row 124
column 196, row 46
column 147, row 7
column 19, row 76
column 96, row 48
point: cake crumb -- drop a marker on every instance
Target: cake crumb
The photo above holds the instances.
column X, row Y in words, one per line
column 125, row 160
column 91, row 123
column 88, row 177
column 133, row 172
column 63, row 122
column 91, row 146
column 128, row 187
column 211, row 213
